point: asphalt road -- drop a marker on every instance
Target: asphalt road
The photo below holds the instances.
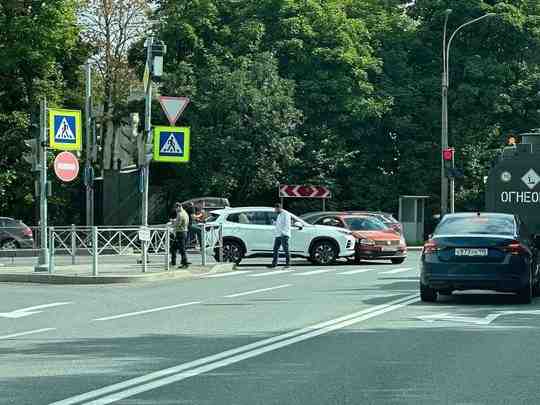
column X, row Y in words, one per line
column 344, row 334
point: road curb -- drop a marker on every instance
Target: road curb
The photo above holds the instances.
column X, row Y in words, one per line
column 40, row 278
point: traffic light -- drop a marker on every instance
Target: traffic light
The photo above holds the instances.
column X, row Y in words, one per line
column 448, row 159
column 158, row 50
column 31, row 156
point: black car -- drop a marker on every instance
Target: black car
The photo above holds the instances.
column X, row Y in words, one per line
column 485, row 251
column 15, row 235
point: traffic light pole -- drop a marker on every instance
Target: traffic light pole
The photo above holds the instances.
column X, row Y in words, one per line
column 89, row 177
column 145, row 167
column 43, row 262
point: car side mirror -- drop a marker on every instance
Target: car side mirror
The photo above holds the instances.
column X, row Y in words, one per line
column 536, row 241
column 298, row 225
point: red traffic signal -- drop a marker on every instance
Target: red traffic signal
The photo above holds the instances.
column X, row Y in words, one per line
column 448, row 154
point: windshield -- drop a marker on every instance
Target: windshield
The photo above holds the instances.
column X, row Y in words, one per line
column 365, row 224
column 484, row 225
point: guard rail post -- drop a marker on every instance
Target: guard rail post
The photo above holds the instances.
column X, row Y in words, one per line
column 73, row 243
column 203, row 244
column 167, row 248
column 95, row 251
column 51, row 250
column 220, row 243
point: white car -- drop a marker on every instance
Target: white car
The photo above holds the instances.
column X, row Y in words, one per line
column 249, row 232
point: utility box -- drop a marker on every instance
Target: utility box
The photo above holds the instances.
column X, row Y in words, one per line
column 513, row 183
column 411, row 216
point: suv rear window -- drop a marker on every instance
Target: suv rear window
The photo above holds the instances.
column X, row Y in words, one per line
column 483, row 225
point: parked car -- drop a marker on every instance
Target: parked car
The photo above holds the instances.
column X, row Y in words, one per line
column 386, row 218
column 480, row 251
column 15, row 234
column 375, row 240
column 249, row 232
column 208, row 204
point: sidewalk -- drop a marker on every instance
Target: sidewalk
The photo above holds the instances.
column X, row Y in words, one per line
column 127, row 272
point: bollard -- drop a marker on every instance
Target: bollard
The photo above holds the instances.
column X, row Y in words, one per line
column 144, row 246
column 51, row 250
column 73, row 244
column 167, row 248
column 95, row 251
column 203, row 244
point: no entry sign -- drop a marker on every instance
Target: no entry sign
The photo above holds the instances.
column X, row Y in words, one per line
column 66, row 166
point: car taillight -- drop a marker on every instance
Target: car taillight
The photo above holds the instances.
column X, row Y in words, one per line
column 27, row 232
column 514, row 248
column 431, row 247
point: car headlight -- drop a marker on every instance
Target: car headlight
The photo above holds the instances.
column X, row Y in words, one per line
column 367, row 242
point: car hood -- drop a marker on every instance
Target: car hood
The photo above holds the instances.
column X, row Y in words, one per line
column 376, row 235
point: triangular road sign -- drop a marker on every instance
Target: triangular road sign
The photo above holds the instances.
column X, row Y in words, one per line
column 173, row 107
column 171, row 146
column 64, row 131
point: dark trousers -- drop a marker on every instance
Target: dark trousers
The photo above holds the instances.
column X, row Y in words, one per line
column 278, row 242
column 179, row 244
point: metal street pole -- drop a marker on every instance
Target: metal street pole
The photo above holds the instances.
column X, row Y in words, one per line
column 145, row 168
column 43, row 261
column 444, row 132
column 89, row 146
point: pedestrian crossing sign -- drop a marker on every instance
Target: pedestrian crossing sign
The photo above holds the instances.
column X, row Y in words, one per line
column 171, row 144
column 65, row 131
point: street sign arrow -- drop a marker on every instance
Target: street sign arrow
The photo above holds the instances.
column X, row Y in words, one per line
column 473, row 320
column 173, row 107
column 21, row 313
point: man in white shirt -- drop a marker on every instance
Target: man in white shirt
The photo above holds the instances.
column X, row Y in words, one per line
column 282, row 233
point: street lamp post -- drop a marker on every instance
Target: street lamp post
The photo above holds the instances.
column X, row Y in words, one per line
column 444, row 129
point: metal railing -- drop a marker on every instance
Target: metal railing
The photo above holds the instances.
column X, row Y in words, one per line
column 78, row 241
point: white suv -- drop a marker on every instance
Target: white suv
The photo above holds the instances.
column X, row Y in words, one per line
column 249, row 232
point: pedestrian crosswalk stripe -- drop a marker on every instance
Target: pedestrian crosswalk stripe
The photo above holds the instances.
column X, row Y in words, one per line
column 270, row 273
column 171, row 146
column 64, row 131
column 308, row 273
column 229, row 273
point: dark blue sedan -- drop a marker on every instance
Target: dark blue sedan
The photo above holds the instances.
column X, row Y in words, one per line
column 486, row 251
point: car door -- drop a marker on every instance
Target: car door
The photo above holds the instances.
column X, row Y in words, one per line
column 300, row 235
column 254, row 229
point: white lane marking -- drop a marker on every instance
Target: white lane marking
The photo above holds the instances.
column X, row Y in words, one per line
column 309, row 273
column 395, row 271
column 270, row 273
column 30, row 332
column 477, row 321
column 20, row 313
column 230, row 273
column 355, row 271
column 147, row 311
column 257, row 291
column 249, row 348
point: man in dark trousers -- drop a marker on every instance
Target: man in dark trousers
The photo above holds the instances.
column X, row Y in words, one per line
column 282, row 234
column 180, row 224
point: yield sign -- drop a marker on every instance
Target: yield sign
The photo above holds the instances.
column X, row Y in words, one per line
column 173, row 107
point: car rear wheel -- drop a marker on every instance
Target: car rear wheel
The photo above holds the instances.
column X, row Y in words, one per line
column 323, row 252
column 526, row 293
column 427, row 294
column 9, row 244
column 398, row 261
column 232, row 252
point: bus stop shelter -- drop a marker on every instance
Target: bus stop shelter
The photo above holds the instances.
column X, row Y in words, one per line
column 411, row 216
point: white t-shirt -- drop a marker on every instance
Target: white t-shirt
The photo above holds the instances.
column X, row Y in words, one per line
column 283, row 224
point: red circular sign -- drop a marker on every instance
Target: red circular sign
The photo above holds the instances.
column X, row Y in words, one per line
column 66, row 166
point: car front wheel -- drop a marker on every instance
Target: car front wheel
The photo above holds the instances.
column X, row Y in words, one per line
column 232, row 252
column 323, row 252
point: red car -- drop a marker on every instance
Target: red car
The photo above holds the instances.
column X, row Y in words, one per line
column 375, row 240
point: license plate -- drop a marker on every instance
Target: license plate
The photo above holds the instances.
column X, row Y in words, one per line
column 471, row 252
column 389, row 249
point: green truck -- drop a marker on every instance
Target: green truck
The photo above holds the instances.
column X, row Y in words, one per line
column 513, row 184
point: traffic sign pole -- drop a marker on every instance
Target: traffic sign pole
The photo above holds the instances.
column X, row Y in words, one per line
column 145, row 169
column 89, row 181
column 43, row 261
